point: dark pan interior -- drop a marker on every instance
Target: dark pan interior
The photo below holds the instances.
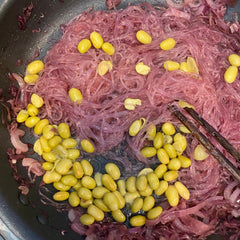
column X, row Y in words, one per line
column 26, row 217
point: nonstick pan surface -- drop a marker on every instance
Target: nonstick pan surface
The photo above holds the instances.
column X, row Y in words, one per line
column 22, row 217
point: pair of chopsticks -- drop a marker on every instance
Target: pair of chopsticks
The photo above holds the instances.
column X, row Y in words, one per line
column 213, row 150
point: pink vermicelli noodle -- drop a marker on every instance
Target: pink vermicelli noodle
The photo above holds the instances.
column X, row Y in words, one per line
column 200, row 33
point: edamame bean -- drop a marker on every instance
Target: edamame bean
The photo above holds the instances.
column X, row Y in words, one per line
column 163, row 185
column 174, row 164
column 97, row 213
column 64, row 130
column 60, row 186
column 185, row 162
column 131, row 184
column 137, row 221
column 162, row 156
column 22, row 116
column 86, row 203
column 31, row 78
column 118, row 216
column 182, row 190
column 96, row 39
column 172, row 196
column 49, row 131
column 69, row 143
column 111, row 201
column 148, row 152
column 87, row 146
column 200, row 153
column 98, row 192
column 154, row 213
column 121, row 186
column 32, row 121
column 171, row 65
column 88, row 182
column 51, row 176
column 77, row 169
column 141, row 183
column 35, row 67
column 158, row 140
column 61, row 196
column 108, row 48
column 47, row 166
column 84, row 193
column 113, row 170
column 170, row 175
column 60, row 151
column 170, row 150
column 87, row 167
column 44, row 144
column 75, row 95
column 230, row 74
column 234, row 60
column 36, row 100
column 137, row 204
column 98, row 179
column 49, row 156
column 151, row 132
column 87, row 219
column 108, row 182
column 167, row 44
column 84, row 45
column 148, row 203
column 147, row 192
column 37, row 147
column 77, row 185
column 153, row 180
column 136, row 126
column 63, row 166
column 142, row 69
column 69, row 180
column 143, row 37
column 160, row 170
column 53, row 142
column 74, row 199
column 73, row 153
column 168, row 128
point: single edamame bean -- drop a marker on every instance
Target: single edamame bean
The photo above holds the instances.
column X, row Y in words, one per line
column 230, row 74
column 37, row 147
column 36, row 100
column 44, row 144
column 31, row 78
column 49, row 131
column 69, row 180
column 87, row 219
column 171, row 65
column 64, row 130
column 74, row 199
column 75, row 95
column 53, row 142
column 121, row 186
column 147, row 192
column 148, row 203
column 63, row 166
column 137, row 221
column 141, row 183
column 154, row 213
column 22, row 116
column 60, row 186
column 69, row 143
column 61, row 196
column 151, row 132
column 143, row 37
column 96, row 39
column 162, row 156
column 84, row 193
column 113, row 170
column 174, row 164
column 78, row 170
column 98, row 179
column 142, row 69
column 77, row 185
column 51, row 176
column 108, row 48
column 86, row 203
column 185, row 162
column 97, row 213
column 84, row 45
column 160, row 170
column 168, row 128
column 153, row 180
column 163, row 185
column 32, row 121
column 87, row 167
column 87, row 146
column 35, row 67
column 158, row 140
column 47, row 166
column 172, row 196
column 170, row 175
column 167, row 44
column 131, row 184
column 118, row 216
column 148, row 152
column 49, row 156
column 111, row 201
column 108, row 182
column 170, row 150
column 136, row 126
column 73, row 153
column 137, row 204
column 98, row 192
column 88, row 182
column 182, row 190
column 234, row 60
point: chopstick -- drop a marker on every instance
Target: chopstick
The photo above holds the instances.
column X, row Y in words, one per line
column 213, row 150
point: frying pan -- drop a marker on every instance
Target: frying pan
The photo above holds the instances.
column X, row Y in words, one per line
column 25, row 217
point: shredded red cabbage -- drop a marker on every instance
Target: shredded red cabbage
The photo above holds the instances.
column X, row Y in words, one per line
column 199, row 32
